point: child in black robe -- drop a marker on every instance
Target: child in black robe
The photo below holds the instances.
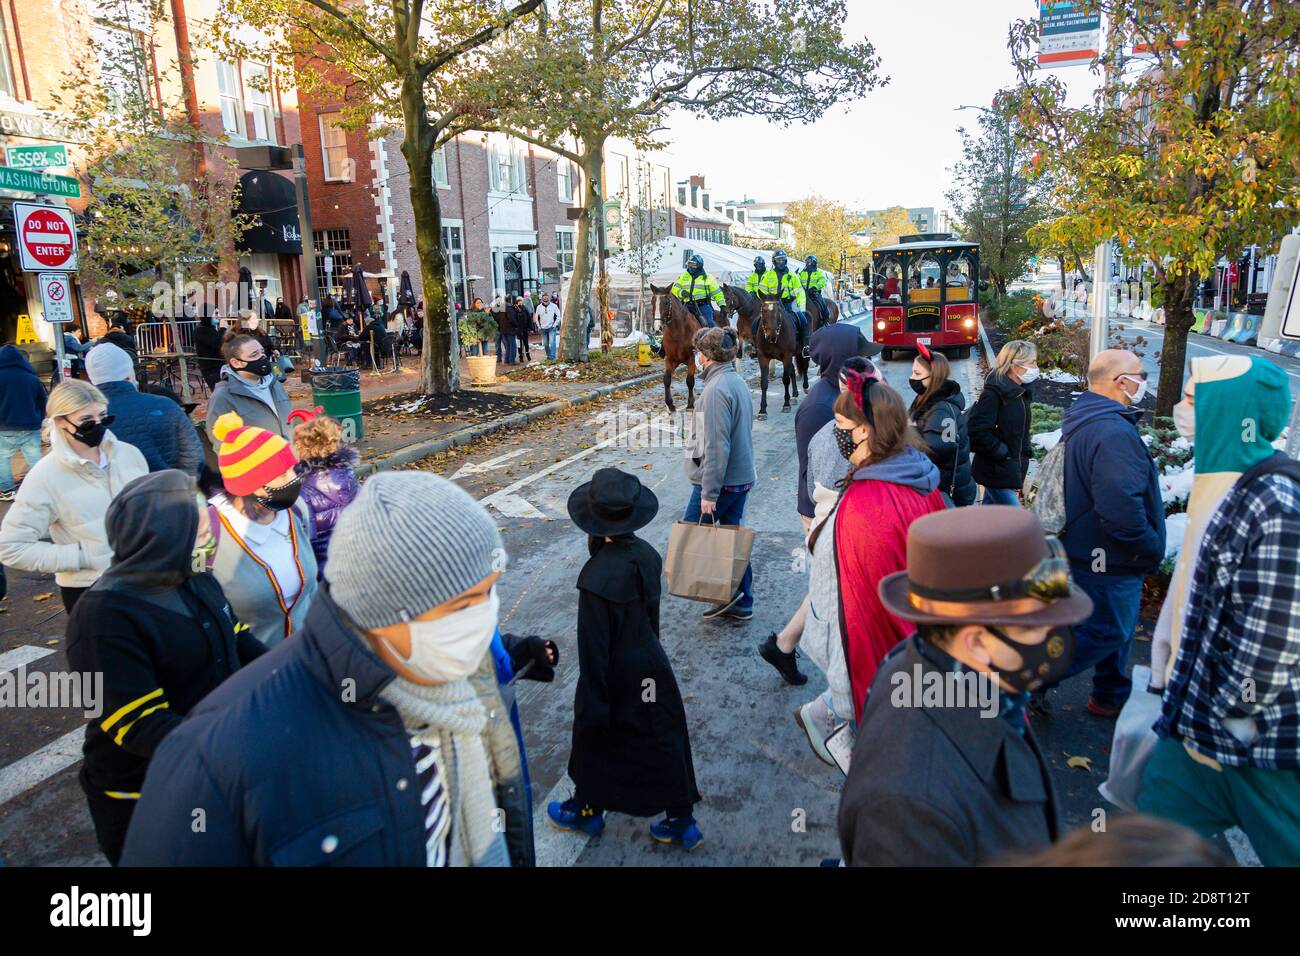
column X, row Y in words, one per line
column 631, row 747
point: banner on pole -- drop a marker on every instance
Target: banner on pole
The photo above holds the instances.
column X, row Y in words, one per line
column 1066, row 35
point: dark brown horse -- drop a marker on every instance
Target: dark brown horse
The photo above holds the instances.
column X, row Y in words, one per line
column 746, row 306
column 778, row 339
column 679, row 325
column 815, row 318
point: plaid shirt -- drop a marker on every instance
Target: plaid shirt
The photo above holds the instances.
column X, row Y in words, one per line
column 1239, row 660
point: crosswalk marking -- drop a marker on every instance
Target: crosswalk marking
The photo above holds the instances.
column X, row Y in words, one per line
column 23, row 774
column 19, row 656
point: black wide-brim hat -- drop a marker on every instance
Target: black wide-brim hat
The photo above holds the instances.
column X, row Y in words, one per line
column 612, row 503
column 969, row 565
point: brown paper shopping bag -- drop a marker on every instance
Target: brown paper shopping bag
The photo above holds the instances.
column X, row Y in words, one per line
column 705, row 562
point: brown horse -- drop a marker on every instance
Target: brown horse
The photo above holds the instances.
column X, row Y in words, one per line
column 815, row 318
column 746, row 306
column 679, row 325
column 778, row 339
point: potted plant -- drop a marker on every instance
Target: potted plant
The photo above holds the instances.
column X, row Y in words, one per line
column 476, row 330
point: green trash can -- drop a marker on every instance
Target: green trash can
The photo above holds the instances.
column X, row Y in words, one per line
column 338, row 392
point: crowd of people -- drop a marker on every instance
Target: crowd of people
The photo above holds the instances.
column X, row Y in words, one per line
column 317, row 666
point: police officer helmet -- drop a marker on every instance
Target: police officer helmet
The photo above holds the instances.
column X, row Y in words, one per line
column 759, row 263
column 810, row 262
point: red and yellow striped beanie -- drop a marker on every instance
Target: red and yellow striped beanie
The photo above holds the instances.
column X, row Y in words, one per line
column 249, row 457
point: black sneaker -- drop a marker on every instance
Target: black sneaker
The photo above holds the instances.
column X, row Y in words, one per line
column 720, row 609
column 784, row 663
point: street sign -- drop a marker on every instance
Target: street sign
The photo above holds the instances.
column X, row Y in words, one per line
column 28, row 181
column 1067, row 36
column 56, row 297
column 26, row 334
column 47, row 237
column 36, row 157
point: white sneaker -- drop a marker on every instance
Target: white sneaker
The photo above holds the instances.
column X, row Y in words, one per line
column 816, row 721
column 8, row 495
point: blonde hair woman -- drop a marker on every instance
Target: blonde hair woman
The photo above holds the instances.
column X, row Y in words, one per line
column 999, row 424
column 56, row 524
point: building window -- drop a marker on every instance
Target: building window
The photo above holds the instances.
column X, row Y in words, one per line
column 257, row 81
column 681, row 195
column 564, row 175
column 334, row 149
column 453, row 250
column 731, row 213
column 704, row 198
column 440, row 167
column 232, row 99
column 336, row 243
column 6, row 69
column 124, row 65
column 507, row 173
column 565, row 251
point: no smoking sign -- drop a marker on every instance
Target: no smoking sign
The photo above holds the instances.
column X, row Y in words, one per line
column 47, row 237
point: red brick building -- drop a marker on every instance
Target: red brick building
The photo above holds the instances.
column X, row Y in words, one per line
column 39, row 43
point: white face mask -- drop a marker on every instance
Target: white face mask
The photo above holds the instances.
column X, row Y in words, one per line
column 1139, row 394
column 451, row 647
column 1029, row 375
column 1185, row 420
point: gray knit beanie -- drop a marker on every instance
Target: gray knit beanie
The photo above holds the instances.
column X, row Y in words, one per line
column 408, row 542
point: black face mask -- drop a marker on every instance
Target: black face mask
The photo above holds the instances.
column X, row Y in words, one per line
column 259, row 367
column 92, row 433
column 844, row 440
column 1042, row 663
column 282, row 498
column 918, row 385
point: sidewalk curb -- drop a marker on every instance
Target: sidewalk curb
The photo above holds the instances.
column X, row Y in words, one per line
column 410, row 453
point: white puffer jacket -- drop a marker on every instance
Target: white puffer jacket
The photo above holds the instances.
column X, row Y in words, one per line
column 56, row 524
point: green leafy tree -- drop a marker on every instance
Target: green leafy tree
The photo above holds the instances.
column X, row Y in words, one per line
column 1181, row 159
column 404, row 63
column 995, row 197
column 590, row 70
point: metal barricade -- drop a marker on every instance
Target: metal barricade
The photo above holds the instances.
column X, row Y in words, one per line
column 156, row 337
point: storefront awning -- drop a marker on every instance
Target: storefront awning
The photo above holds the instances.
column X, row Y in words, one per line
column 272, row 198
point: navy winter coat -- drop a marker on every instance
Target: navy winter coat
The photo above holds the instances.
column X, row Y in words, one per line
column 943, row 426
column 22, row 396
column 297, row 761
column 998, row 427
column 830, row 347
column 155, row 425
column 1112, row 489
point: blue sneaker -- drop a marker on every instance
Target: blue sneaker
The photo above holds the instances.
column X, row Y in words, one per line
column 681, row 830
column 570, row 815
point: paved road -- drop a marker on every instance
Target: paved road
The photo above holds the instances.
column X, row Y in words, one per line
column 767, row 799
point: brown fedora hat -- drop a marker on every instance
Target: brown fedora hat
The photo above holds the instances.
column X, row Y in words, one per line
column 989, row 564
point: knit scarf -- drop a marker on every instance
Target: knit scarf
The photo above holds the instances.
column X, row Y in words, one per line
column 451, row 715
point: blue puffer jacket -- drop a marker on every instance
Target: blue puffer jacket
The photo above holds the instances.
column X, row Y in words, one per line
column 290, row 771
column 22, row 396
column 155, row 425
column 1113, row 508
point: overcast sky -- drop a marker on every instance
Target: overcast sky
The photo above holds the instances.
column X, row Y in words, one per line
column 893, row 147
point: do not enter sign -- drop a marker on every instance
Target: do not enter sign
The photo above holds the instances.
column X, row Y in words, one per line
column 47, row 237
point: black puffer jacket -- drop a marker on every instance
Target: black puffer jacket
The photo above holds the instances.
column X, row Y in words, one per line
column 943, row 426
column 999, row 433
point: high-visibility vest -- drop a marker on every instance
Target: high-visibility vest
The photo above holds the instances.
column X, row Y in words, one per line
column 813, row 279
column 699, row 288
column 784, row 284
column 751, row 284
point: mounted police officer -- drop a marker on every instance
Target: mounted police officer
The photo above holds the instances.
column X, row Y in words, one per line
column 700, row 292
column 814, row 282
column 780, row 281
column 755, row 277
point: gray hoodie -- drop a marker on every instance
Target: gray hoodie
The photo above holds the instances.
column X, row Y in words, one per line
column 720, row 445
